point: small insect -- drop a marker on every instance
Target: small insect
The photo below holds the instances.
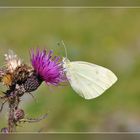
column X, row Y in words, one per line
column 87, row 79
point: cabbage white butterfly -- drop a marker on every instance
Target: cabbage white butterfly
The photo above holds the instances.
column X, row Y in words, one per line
column 87, row 79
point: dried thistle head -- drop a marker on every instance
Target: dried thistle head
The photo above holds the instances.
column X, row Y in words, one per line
column 15, row 71
column 12, row 61
column 7, row 79
column 11, row 64
column 21, row 74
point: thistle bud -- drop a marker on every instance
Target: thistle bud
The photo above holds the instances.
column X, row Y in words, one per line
column 4, row 130
column 32, row 83
column 18, row 114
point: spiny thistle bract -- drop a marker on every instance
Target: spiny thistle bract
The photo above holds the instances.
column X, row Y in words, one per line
column 20, row 78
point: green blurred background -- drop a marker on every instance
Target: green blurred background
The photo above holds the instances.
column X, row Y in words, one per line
column 107, row 37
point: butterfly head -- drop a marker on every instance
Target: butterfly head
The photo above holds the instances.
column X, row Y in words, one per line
column 66, row 62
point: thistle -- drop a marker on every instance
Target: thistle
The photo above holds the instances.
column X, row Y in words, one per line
column 47, row 67
column 20, row 78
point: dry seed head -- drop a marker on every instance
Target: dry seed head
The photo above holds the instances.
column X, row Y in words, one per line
column 21, row 74
column 12, row 61
column 7, row 80
column 15, row 71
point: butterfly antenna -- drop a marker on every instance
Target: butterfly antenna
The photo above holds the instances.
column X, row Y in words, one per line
column 64, row 48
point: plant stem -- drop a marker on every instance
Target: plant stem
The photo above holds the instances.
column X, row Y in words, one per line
column 11, row 124
column 13, row 105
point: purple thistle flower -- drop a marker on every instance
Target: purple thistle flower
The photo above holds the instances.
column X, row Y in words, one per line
column 47, row 67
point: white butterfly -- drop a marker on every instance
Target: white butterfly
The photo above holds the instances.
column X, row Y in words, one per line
column 87, row 79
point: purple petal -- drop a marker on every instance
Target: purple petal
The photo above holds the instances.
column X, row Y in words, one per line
column 49, row 68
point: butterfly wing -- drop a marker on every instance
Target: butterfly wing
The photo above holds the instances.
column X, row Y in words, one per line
column 89, row 80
